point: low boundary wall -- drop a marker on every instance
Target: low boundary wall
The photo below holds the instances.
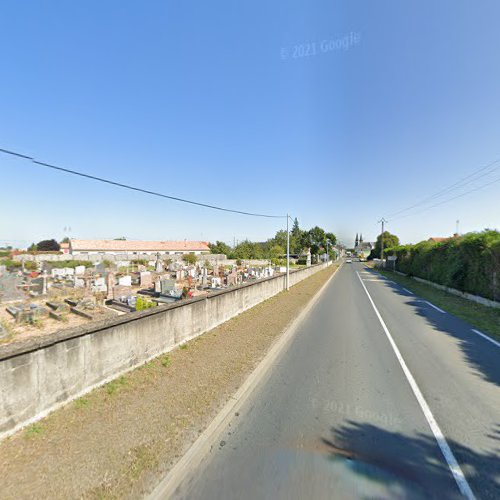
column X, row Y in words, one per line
column 41, row 374
column 469, row 296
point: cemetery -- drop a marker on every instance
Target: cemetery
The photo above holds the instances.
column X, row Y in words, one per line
column 52, row 297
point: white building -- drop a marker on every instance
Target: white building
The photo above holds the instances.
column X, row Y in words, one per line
column 114, row 247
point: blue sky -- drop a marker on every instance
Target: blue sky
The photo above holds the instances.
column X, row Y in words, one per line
column 204, row 100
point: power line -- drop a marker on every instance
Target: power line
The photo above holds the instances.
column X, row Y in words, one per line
column 133, row 188
column 474, row 176
column 449, row 199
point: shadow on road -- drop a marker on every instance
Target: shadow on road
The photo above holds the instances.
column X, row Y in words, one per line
column 413, row 463
column 482, row 356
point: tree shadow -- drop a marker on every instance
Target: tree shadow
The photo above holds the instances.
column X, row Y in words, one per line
column 480, row 354
column 411, row 466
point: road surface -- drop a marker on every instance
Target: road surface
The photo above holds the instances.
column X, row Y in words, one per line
column 378, row 395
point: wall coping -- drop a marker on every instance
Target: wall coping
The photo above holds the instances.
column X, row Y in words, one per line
column 19, row 347
column 465, row 295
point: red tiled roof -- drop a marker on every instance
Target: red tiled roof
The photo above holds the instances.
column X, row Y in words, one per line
column 437, row 239
column 138, row 246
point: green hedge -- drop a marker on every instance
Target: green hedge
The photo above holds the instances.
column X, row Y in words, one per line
column 470, row 263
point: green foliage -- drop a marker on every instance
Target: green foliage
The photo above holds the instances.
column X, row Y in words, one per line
column 10, row 264
column 390, row 241
column 248, row 250
column 48, row 246
column 116, row 385
column 316, row 239
column 33, row 431
column 4, row 253
column 30, row 265
column 219, row 247
column 165, row 361
column 470, row 263
column 276, row 251
column 189, row 258
column 140, row 262
column 143, row 303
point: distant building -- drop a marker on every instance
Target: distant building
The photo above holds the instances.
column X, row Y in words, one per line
column 439, row 239
column 106, row 247
column 362, row 248
column 64, row 247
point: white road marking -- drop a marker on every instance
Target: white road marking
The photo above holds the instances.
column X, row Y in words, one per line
column 435, row 307
column 374, row 279
column 408, row 291
column 486, row 337
column 453, row 465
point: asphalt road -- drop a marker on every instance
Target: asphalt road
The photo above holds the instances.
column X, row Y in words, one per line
column 337, row 417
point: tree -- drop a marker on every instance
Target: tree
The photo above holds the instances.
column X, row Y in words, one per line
column 332, row 239
column 276, row 251
column 296, row 238
column 48, row 246
column 65, row 240
column 189, row 258
column 219, row 247
column 247, row 250
column 317, row 239
column 390, row 240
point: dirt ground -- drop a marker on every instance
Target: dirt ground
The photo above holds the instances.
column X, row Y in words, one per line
column 47, row 326
column 121, row 439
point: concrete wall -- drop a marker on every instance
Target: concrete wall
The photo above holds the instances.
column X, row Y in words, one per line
column 454, row 291
column 40, row 374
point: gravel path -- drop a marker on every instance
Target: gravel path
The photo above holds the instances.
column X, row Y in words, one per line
column 119, row 440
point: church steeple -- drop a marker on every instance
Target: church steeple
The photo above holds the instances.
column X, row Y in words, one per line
column 356, row 241
column 360, row 238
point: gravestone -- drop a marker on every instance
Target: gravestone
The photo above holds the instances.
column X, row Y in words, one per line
column 79, row 270
column 146, row 279
column 99, row 285
column 110, row 281
column 158, row 264
column 232, row 278
column 167, row 286
column 121, row 291
column 125, row 281
column 100, row 268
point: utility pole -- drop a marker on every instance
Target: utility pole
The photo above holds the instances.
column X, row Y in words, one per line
column 382, row 221
column 456, row 232
column 287, row 253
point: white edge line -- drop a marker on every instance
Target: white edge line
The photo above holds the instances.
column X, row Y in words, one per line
column 407, row 291
column 202, row 446
column 435, row 307
column 453, row 465
column 486, row 337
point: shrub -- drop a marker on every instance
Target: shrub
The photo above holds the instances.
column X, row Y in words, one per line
column 189, row 258
column 142, row 303
column 470, row 263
